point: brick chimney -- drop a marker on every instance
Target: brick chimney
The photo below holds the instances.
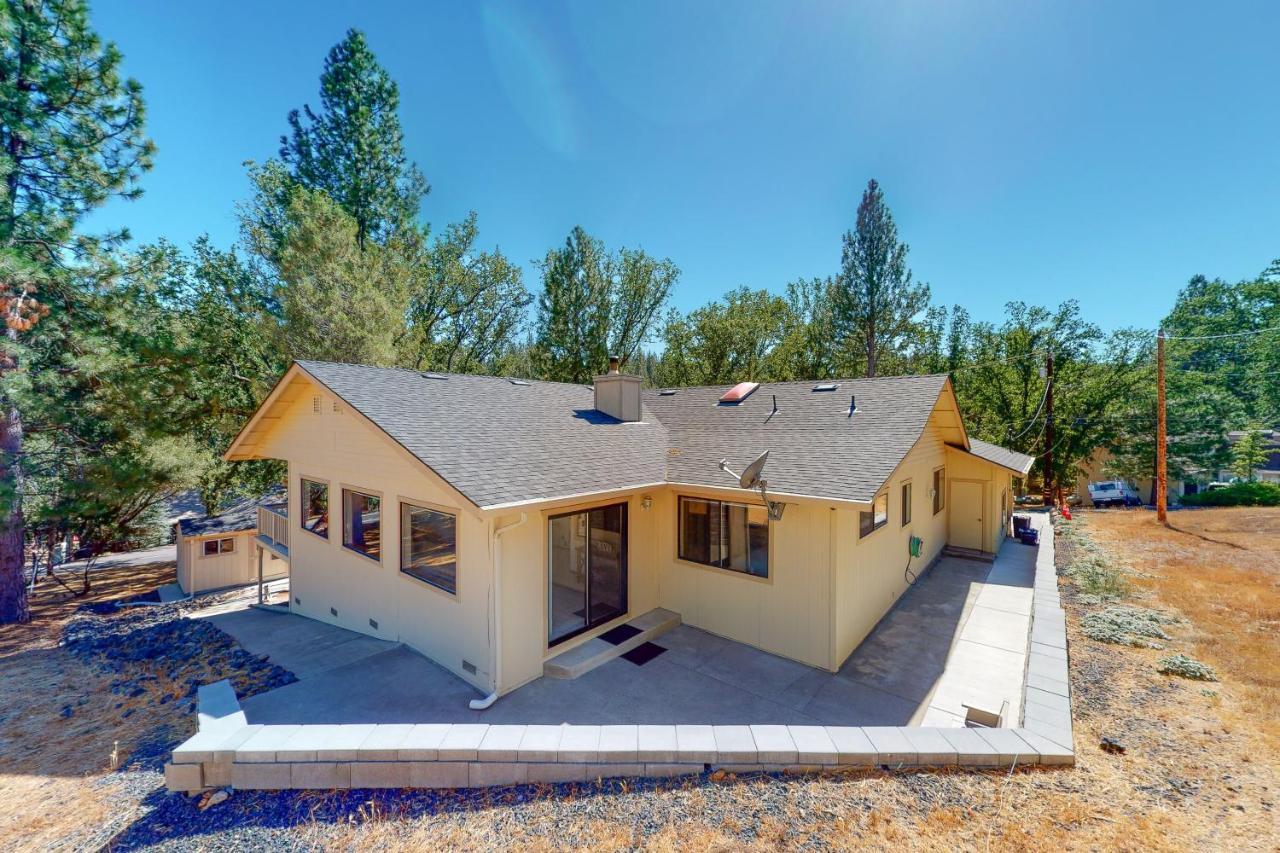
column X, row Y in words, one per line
column 617, row 394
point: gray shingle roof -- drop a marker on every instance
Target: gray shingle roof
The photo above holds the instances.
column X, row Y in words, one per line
column 241, row 514
column 500, row 443
column 1001, row 455
column 815, row 447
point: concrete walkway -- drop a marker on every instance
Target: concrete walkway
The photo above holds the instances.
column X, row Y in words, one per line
column 959, row 636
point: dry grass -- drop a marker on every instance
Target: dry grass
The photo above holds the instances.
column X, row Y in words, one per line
column 49, row 763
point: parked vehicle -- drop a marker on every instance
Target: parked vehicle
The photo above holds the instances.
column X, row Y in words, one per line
column 1113, row 493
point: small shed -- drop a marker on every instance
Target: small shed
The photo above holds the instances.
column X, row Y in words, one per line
column 217, row 551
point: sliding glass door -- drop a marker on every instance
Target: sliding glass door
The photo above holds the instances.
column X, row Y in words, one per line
column 588, row 570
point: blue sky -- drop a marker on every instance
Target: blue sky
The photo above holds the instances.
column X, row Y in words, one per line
column 1090, row 150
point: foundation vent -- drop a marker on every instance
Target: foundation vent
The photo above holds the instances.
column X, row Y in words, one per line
column 469, row 667
column 373, row 623
column 333, row 611
column 297, row 600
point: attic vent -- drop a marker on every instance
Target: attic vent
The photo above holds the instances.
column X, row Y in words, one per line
column 315, row 405
column 739, row 392
column 667, row 393
column 433, row 376
column 517, row 382
column 337, row 407
column 826, row 386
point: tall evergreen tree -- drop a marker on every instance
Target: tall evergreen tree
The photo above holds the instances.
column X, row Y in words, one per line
column 71, row 136
column 877, row 303
column 595, row 304
column 352, row 147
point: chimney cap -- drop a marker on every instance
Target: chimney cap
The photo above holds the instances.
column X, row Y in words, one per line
column 613, row 363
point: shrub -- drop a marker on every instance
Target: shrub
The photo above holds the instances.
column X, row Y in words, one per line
column 1186, row 667
column 1237, row 494
column 1127, row 626
column 1092, row 574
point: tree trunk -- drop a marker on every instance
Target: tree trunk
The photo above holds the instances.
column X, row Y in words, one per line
column 13, row 590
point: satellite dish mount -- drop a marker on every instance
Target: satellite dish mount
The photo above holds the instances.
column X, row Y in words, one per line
column 751, row 478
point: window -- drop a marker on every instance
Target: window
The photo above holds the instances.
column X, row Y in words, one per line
column 725, row 535
column 870, row 522
column 214, row 547
column 906, row 503
column 939, row 490
column 429, row 546
column 315, row 508
column 362, row 523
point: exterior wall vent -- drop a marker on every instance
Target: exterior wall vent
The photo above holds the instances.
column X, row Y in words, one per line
column 297, row 600
column 315, row 405
column 333, row 611
column 337, row 407
column 469, row 667
column 373, row 623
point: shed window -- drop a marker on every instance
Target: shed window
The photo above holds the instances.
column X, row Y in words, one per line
column 939, row 490
column 315, row 507
column 906, row 504
column 362, row 523
column 870, row 522
column 725, row 535
column 214, row 547
column 429, row 546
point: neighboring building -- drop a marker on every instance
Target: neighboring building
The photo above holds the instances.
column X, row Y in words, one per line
column 223, row 550
column 495, row 524
column 1094, row 470
column 1270, row 470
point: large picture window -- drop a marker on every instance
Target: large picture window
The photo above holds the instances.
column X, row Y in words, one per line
column 362, row 523
column 870, row 522
column 725, row 535
column 939, row 490
column 429, row 546
column 315, row 507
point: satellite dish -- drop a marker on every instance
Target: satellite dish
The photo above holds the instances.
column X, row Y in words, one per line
column 751, row 479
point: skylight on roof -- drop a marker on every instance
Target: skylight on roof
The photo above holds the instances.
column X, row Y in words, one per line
column 668, row 392
column 826, row 386
column 433, row 376
column 739, row 392
column 517, row 382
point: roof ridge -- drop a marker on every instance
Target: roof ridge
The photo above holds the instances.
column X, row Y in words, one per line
column 416, row 372
column 803, row 381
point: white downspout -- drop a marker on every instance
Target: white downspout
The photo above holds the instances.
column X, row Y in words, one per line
column 481, row 704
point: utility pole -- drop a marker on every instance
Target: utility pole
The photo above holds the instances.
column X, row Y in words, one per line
column 1162, row 463
column 1049, row 495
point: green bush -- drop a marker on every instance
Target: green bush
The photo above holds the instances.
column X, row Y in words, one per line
column 1237, row 494
column 1186, row 667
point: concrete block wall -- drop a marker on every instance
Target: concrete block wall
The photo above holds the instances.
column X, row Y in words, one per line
column 470, row 755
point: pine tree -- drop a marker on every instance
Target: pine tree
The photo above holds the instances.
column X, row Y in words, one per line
column 877, row 303
column 352, row 147
column 1248, row 454
column 70, row 138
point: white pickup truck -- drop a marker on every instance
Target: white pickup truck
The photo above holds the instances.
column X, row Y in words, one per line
column 1113, row 493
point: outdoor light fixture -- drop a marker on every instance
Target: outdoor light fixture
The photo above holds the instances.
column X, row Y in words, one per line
column 646, row 502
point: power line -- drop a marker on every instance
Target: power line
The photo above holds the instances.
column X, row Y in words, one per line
column 1225, row 335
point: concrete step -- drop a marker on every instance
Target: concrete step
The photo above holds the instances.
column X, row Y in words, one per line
column 968, row 554
column 596, row 652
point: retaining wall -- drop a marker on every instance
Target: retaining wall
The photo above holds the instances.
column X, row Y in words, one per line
column 228, row 751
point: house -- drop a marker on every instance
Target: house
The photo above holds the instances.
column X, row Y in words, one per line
column 1269, row 471
column 1096, row 468
column 498, row 525
column 223, row 550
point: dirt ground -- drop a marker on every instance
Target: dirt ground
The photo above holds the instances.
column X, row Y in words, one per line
column 1199, row 770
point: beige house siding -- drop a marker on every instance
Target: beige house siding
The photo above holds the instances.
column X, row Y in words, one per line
column 198, row 573
column 871, row 571
column 338, row 448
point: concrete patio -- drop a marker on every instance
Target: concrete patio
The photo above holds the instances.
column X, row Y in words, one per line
column 958, row 638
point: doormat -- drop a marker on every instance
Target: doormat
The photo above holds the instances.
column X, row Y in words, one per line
column 619, row 635
column 643, row 653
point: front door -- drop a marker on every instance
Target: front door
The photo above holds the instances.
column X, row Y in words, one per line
column 966, row 514
column 587, row 560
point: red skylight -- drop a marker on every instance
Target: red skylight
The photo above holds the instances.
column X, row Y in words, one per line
column 739, row 392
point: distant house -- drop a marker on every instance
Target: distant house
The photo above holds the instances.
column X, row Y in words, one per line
column 498, row 525
column 217, row 551
column 1270, row 470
